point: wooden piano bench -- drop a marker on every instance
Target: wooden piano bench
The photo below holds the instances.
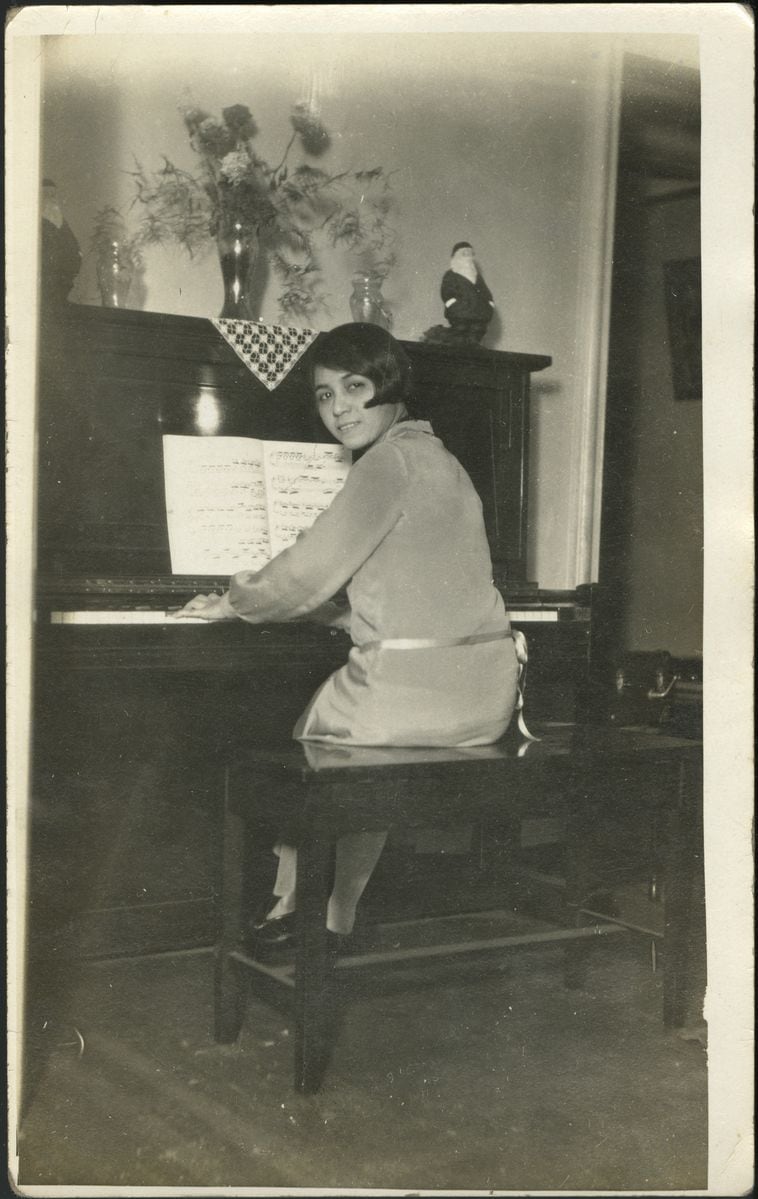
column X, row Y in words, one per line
column 319, row 793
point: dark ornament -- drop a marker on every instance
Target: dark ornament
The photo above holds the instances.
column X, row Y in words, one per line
column 467, row 300
column 238, row 255
column 60, row 256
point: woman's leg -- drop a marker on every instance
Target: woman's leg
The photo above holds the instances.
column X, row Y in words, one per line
column 356, row 857
column 284, row 885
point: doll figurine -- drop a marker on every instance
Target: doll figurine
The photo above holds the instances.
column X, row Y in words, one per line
column 60, row 256
column 467, row 299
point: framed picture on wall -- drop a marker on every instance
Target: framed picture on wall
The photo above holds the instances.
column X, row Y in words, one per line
column 681, row 280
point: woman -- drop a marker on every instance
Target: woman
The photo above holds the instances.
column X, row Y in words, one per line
column 433, row 659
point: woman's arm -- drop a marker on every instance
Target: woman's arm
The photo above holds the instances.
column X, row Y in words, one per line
column 303, row 578
column 332, row 614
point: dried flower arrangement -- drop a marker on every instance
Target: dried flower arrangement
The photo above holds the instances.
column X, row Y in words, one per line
column 287, row 209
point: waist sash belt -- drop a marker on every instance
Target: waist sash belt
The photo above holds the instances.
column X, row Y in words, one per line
column 476, row 639
column 436, row 642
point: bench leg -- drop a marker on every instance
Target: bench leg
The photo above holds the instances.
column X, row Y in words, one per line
column 229, row 999
column 229, row 984
column 313, row 970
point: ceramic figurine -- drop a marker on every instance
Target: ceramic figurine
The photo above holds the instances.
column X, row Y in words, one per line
column 60, row 256
column 467, row 299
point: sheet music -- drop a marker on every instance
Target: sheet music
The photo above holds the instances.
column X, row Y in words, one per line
column 302, row 479
column 215, row 504
column 234, row 502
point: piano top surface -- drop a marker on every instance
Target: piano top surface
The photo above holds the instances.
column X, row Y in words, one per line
column 168, row 335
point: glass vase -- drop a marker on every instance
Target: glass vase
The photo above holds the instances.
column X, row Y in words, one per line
column 114, row 276
column 238, row 255
column 367, row 304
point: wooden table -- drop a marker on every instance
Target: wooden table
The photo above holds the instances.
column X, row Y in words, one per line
column 310, row 795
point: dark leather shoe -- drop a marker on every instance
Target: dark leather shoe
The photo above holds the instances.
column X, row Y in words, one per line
column 272, row 940
column 338, row 946
column 278, row 931
column 276, row 939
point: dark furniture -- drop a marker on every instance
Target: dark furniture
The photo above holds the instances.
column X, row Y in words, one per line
column 133, row 722
column 576, row 773
column 113, row 381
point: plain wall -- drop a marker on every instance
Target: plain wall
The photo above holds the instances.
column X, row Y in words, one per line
column 663, row 563
column 502, row 140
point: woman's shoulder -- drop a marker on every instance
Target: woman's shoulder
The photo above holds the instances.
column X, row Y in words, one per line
column 388, row 458
column 409, row 428
column 410, row 438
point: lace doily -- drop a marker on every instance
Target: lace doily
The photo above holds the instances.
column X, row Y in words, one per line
column 269, row 351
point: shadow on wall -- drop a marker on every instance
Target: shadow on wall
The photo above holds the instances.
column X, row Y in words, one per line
column 91, row 113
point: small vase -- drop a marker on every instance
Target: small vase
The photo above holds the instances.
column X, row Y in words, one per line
column 367, row 304
column 114, row 276
column 238, row 254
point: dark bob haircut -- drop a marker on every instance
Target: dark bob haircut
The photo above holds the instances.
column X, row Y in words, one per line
column 370, row 351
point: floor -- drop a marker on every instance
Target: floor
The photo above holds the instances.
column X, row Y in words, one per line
column 484, row 1077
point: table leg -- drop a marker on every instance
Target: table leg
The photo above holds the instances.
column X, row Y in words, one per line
column 230, row 986
column 313, row 971
column 681, row 864
column 580, row 873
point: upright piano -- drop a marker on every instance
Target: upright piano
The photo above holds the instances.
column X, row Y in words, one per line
column 134, row 711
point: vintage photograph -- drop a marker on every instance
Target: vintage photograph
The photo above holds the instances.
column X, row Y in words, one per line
column 360, row 533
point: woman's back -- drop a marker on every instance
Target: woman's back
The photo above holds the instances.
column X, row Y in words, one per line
column 428, row 577
column 431, row 575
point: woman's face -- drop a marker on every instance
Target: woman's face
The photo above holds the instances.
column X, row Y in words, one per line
column 342, row 397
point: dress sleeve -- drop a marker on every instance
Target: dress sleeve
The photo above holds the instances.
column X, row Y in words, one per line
column 326, row 556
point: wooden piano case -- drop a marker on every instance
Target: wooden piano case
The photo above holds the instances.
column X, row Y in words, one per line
column 132, row 723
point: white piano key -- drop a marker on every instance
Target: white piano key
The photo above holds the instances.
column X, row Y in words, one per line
column 545, row 614
column 155, row 616
column 125, row 616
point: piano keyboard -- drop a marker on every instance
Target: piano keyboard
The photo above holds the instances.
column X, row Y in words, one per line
column 123, row 616
column 543, row 614
column 155, row 616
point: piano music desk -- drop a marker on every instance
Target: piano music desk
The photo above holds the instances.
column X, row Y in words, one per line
column 318, row 793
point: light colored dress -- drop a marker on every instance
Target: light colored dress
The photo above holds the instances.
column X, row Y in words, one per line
column 406, row 533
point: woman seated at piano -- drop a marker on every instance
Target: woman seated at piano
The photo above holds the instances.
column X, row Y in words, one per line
column 433, row 661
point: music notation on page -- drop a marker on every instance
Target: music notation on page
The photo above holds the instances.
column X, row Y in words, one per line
column 233, row 503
